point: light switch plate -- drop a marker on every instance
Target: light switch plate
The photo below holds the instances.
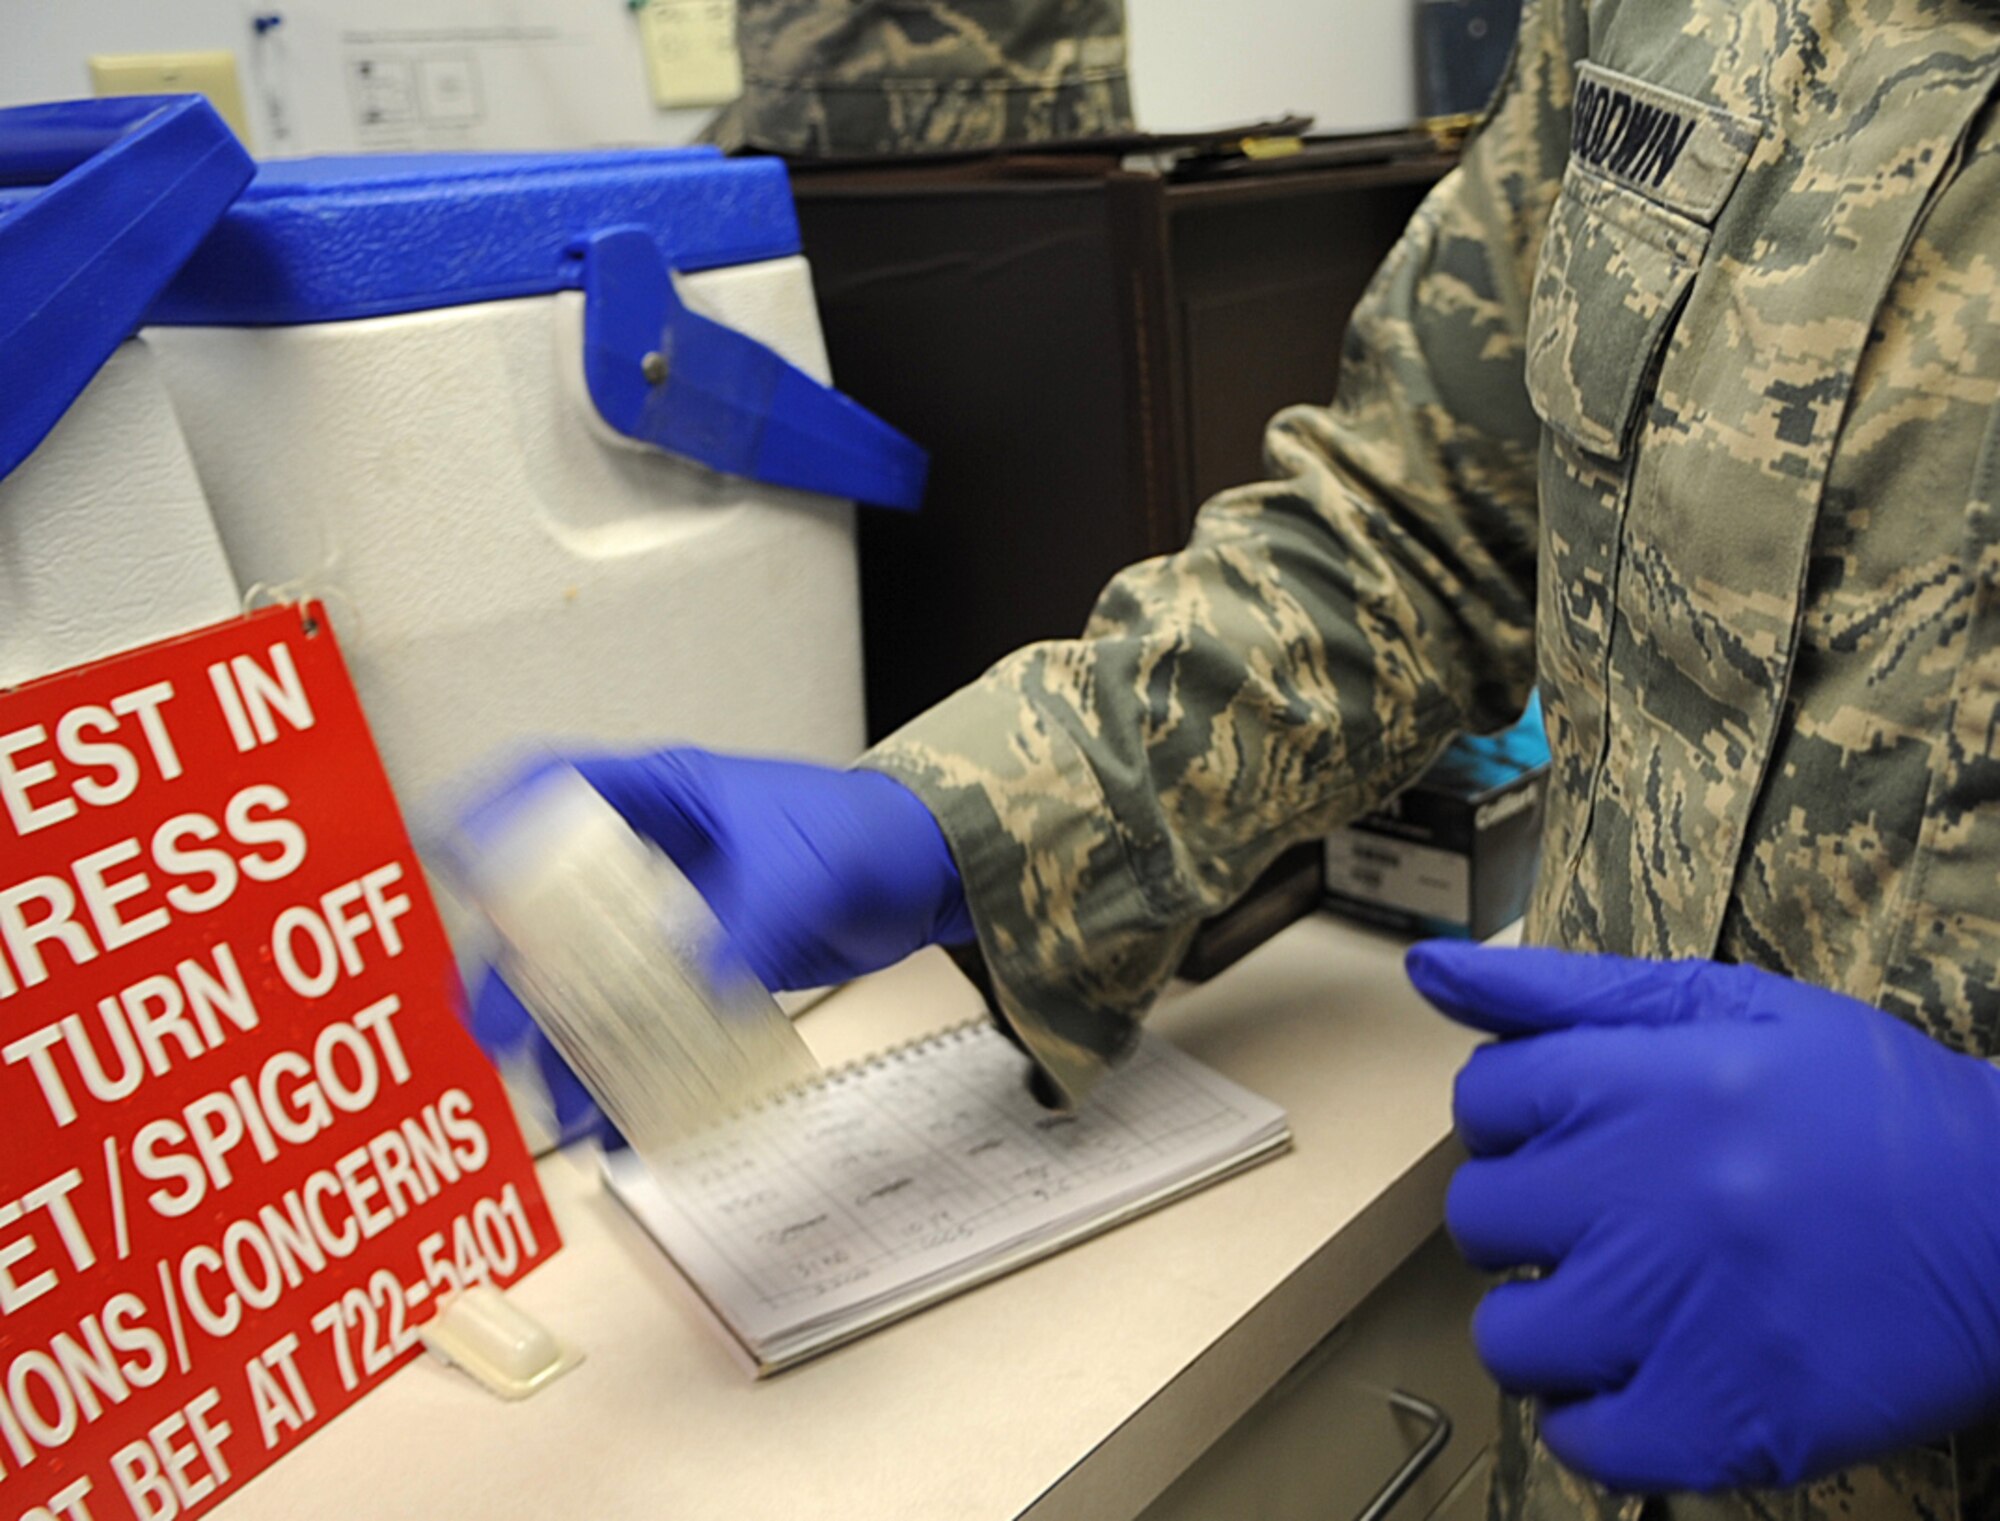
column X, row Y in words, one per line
column 210, row 74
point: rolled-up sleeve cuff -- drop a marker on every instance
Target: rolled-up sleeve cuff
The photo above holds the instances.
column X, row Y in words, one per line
column 1074, row 950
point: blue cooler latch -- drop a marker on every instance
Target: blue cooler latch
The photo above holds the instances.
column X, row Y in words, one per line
column 133, row 187
column 669, row 377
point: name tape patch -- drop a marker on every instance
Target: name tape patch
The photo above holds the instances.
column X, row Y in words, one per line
column 1615, row 131
column 1683, row 153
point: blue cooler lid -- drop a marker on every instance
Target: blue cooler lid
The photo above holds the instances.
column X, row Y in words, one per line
column 328, row 239
column 332, row 239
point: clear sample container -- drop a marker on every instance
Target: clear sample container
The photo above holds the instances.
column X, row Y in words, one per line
column 621, row 962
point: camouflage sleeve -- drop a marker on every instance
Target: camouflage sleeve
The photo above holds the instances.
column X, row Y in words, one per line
column 1321, row 638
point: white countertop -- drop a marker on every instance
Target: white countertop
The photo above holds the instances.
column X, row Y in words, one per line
column 1078, row 1387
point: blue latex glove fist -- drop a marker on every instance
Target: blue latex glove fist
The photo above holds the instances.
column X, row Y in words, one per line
column 1769, row 1216
column 817, row 874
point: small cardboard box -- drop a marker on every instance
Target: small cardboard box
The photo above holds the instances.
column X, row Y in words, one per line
column 1454, row 853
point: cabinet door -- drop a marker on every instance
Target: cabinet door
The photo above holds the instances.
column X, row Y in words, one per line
column 1331, row 1436
column 1264, row 277
column 1467, row 1500
column 988, row 322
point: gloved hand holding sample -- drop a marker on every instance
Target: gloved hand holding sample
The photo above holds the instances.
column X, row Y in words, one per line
column 1768, row 1215
column 816, row 875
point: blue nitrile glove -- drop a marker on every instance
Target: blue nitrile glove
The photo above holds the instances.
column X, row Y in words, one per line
column 1768, row 1215
column 816, row 874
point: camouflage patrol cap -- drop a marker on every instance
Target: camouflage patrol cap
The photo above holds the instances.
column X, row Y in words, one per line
column 835, row 78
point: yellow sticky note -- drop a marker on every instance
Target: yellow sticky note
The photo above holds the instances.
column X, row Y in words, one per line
column 691, row 51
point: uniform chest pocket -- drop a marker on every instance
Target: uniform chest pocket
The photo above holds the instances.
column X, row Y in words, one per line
column 1615, row 272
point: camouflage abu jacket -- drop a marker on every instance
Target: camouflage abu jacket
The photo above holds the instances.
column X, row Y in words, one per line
column 1680, row 397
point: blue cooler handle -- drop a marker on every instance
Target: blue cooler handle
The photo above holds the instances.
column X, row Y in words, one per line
column 661, row 374
column 133, row 186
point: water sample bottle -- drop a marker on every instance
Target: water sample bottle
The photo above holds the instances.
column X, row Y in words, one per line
column 623, row 965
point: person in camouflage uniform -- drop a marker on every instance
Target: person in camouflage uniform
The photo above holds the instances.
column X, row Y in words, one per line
column 866, row 77
column 1682, row 396
column 1679, row 398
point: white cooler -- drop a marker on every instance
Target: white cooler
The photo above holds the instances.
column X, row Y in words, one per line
column 550, row 435
column 105, row 537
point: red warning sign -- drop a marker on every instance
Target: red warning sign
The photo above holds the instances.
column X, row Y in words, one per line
column 249, row 1145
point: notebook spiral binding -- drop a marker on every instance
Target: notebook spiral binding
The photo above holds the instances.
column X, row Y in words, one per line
column 834, row 1077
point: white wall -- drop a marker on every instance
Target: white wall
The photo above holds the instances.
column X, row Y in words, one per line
column 1208, row 63
column 338, row 76
column 568, row 73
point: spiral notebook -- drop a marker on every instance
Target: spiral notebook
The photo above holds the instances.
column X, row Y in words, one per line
column 884, row 1187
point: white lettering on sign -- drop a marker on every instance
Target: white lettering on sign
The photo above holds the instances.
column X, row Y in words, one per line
column 253, row 699
column 49, row 1391
column 121, row 903
column 138, row 1023
column 102, row 896
column 163, row 1475
column 81, row 1373
column 283, row 1402
column 66, row 1504
column 23, row 1246
column 345, row 1074
column 313, row 948
column 327, row 1218
column 26, row 768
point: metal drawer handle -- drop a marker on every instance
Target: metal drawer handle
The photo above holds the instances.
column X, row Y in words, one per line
column 1404, row 1479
